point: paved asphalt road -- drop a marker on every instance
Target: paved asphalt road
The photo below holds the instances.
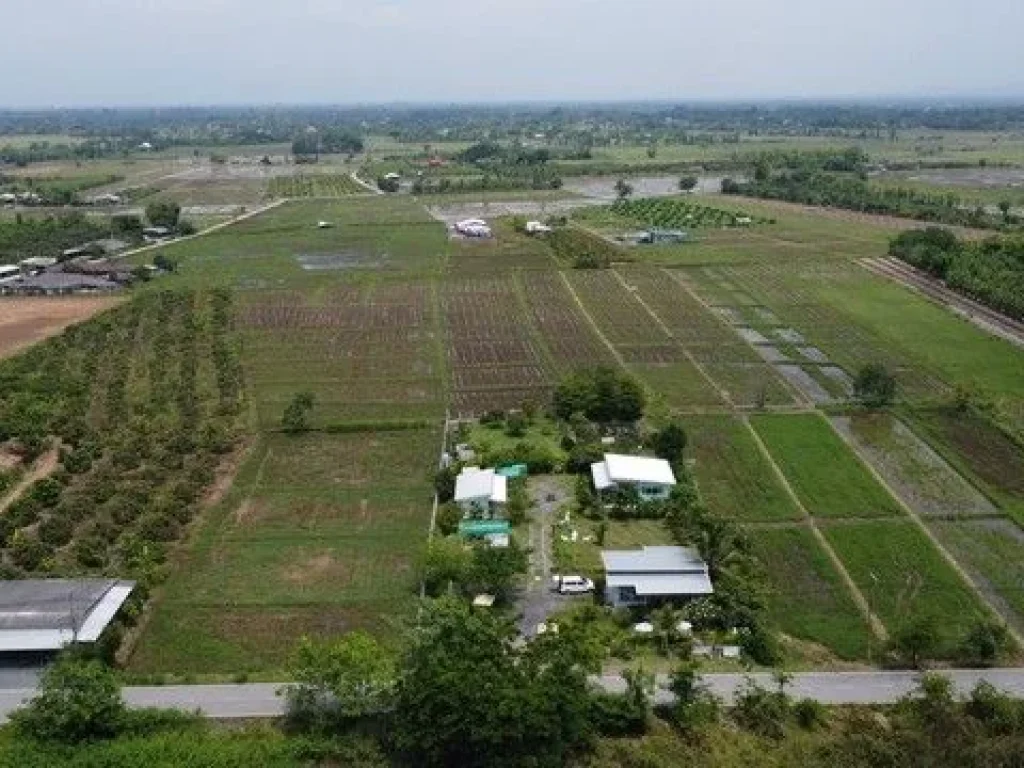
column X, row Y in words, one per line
column 252, row 700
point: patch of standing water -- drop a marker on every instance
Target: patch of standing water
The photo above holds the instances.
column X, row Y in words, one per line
column 805, row 383
column 813, row 354
column 751, row 336
column 789, row 335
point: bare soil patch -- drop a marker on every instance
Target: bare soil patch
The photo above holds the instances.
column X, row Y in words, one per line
column 26, row 321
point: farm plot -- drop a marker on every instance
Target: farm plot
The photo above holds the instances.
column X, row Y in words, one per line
column 808, row 599
column 802, row 318
column 565, row 332
column 824, row 473
column 508, row 250
column 496, row 362
column 367, row 353
column 911, row 468
column 902, row 575
column 318, row 537
column 980, row 451
column 369, row 235
column 734, row 478
column 315, row 185
column 992, row 551
column 681, row 213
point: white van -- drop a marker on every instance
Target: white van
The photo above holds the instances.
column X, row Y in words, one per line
column 574, row 585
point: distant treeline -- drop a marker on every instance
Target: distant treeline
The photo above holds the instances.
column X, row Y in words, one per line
column 991, row 272
column 569, row 124
column 840, row 180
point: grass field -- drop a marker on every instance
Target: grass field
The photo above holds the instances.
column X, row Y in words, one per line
column 823, row 472
column 319, row 535
column 902, row 575
column 808, row 599
column 735, row 479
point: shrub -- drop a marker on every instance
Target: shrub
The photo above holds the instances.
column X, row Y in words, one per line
column 616, row 716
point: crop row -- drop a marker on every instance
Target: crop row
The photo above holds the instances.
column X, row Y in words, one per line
column 680, row 213
column 315, row 185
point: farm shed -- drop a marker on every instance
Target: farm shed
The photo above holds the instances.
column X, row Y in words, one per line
column 51, row 283
column 48, row 614
column 652, row 478
column 480, row 492
column 654, row 574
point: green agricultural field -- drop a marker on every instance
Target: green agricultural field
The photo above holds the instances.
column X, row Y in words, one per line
column 285, row 246
column 902, row 575
column 921, row 477
column 824, row 473
column 318, row 536
column 735, row 479
column 315, row 185
column 993, row 552
column 980, row 451
column 808, row 599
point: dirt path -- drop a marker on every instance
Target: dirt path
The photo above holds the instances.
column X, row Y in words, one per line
column 912, row 514
column 668, row 332
column 44, row 466
column 978, row 314
column 877, row 627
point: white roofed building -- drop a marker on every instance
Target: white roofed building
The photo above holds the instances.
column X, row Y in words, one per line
column 654, row 574
column 480, row 492
column 652, row 478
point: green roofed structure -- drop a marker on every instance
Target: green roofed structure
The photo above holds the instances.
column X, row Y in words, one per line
column 474, row 528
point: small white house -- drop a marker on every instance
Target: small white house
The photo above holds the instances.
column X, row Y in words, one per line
column 654, row 574
column 536, row 228
column 474, row 228
column 480, row 492
column 652, row 478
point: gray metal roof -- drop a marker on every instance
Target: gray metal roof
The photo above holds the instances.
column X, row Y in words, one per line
column 663, row 584
column 52, row 281
column 653, row 560
column 45, row 614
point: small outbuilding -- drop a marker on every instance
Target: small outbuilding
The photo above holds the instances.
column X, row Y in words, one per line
column 652, row 478
column 654, row 574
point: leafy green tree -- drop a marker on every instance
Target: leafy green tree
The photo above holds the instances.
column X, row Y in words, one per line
column 985, row 642
column 1004, row 208
column 163, row 213
column 345, row 679
column 688, row 183
column 874, row 385
column 469, row 695
column 78, row 701
column 448, row 518
column 601, row 394
column 669, row 443
column 916, row 640
column 623, row 189
column 495, row 569
column 389, row 185
column 296, row 414
column 446, row 564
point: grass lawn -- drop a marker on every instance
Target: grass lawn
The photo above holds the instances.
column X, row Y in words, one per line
column 318, row 536
column 735, row 479
column 902, row 575
column 493, row 445
column 808, row 599
column 824, row 473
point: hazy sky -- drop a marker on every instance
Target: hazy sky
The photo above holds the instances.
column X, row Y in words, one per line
column 137, row 52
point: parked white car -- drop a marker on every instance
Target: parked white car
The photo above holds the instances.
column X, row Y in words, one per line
column 575, row 585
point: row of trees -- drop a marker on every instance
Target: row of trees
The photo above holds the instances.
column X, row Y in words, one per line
column 991, row 272
column 854, row 192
